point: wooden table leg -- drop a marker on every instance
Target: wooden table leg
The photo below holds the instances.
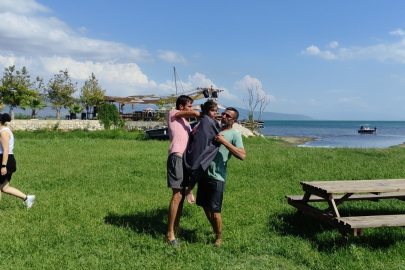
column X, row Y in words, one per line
column 304, row 201
column 343, row 234
column 344, row 198
column 333, row 207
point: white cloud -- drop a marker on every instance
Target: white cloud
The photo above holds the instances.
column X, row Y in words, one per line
column 313, row 50
column 171, row 57
column 82, row 30
column 333, row 44
column 200, row 80
column 382, row 52
column 22, row 6
column 109, row 71
column 398, row 32
column 11, row 60
column 248, row 81
column 26, row 34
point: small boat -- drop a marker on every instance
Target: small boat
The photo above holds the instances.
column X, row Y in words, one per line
column 364, row 129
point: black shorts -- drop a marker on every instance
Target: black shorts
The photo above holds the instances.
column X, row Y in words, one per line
column 210, row 193
column 11, row 168
column 177, row 176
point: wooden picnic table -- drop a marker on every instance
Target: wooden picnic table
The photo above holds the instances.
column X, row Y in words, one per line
column 354, row 190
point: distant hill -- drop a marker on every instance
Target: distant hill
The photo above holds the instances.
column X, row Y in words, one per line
column 273, row 116
column 48, row 111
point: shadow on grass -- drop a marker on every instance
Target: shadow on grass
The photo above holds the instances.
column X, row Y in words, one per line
column 152, row 222
column 327, row 238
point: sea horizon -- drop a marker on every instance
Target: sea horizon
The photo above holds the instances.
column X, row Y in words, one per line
column 339, row 133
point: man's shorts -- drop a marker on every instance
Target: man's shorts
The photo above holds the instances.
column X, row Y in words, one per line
column 210, row 193
column 176, row 173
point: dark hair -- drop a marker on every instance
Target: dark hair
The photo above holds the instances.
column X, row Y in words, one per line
column 207, row 106
column 183, row 100
column 5, row 117
column 234, row 110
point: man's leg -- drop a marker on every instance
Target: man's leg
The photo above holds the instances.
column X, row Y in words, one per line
column 216, row 223
column 175, row 209
column 179, row 211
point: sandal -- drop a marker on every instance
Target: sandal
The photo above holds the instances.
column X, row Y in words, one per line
column 217, row 244
column 174, row 243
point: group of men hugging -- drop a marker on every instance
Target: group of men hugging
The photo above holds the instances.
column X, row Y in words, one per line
column 200, row 155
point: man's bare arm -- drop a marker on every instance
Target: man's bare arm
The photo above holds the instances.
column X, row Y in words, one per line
column 187, row 114
column 239, row 153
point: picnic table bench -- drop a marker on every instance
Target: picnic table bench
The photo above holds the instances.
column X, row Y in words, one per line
column 355, row 190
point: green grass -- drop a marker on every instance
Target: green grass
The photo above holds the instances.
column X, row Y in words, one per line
column 102, row 204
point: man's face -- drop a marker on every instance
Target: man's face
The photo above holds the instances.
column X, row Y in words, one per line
column 188, row 107
column 227, row 118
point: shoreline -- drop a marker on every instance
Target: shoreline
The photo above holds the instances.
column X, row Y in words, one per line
column 294, row 141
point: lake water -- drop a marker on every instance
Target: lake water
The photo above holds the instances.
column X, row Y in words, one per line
column 339, row 133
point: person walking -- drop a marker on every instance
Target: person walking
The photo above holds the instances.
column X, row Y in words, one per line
column 8, row 163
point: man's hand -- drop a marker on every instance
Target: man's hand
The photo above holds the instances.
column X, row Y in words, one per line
column 239, row 153
column 220, row 138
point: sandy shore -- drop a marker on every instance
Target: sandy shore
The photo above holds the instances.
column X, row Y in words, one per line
column 294, row 140
column 302, row 140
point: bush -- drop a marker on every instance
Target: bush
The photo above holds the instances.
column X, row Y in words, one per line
column 22, row 116
column 108, row 115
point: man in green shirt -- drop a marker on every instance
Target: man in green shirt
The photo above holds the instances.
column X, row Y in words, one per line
column 211, row 185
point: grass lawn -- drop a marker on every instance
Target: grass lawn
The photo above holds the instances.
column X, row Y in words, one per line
column 102, row 204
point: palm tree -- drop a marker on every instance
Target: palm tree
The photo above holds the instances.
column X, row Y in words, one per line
column 75, row 109
column 34, row 104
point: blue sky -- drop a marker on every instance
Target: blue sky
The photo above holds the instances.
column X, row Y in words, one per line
column 332, row 60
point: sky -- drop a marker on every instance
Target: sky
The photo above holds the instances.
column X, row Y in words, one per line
column 330, row 60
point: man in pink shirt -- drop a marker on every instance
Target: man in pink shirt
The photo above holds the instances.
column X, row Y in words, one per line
column 177, row 180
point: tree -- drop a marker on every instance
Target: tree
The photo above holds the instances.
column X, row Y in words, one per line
column 91, row 93
column 257, row 98
column 108, row 115
column 16, row 87
column 34, row 104
column 165, row 104
column 74, row 109
column 60, row 91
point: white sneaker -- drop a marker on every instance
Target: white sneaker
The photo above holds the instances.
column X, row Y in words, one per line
column 29, row 201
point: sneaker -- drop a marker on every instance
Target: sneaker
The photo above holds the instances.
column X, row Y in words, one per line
column 29, row 201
